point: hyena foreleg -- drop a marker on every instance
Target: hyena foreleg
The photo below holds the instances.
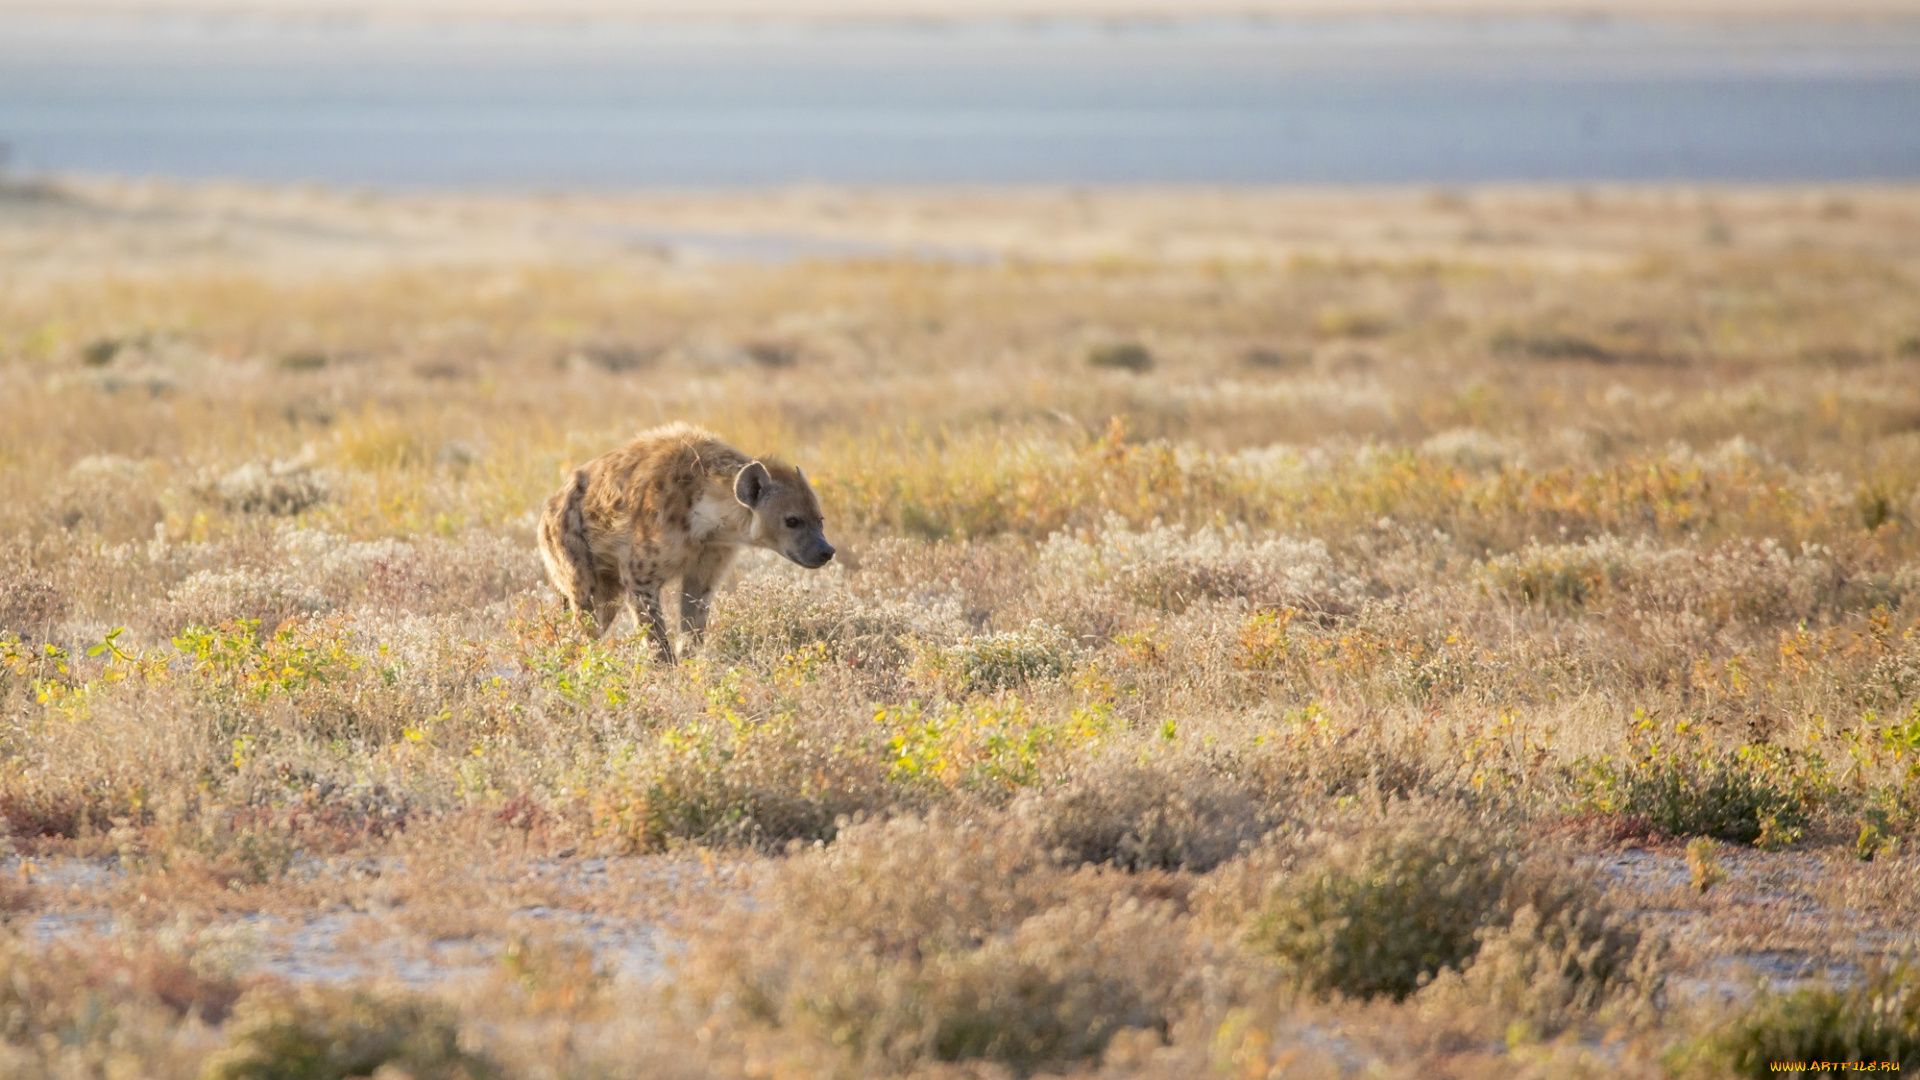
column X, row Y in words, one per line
column 696, row 592
column 644, row 599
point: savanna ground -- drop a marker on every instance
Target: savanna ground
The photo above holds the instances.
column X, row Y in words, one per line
column 1399, row 633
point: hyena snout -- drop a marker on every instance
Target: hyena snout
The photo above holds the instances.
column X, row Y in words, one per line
column 808, row 549
column 818, row 556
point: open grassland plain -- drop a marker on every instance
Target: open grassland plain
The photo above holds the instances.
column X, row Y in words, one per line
column 1312, row 634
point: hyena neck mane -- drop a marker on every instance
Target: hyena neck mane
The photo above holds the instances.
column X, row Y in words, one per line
column 718, row 517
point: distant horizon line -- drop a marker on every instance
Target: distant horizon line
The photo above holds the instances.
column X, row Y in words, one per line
column 77, row 182
column 965, row 10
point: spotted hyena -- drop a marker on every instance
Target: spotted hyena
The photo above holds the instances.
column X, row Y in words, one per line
column 676, row 502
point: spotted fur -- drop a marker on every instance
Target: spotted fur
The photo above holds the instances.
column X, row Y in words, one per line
column 676, row 503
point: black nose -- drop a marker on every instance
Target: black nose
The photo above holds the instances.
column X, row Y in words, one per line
column 826, row 554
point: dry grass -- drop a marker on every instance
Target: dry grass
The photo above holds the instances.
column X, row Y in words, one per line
column 1338, row 688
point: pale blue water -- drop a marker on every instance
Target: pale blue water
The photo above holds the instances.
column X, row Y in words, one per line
column 620, row 104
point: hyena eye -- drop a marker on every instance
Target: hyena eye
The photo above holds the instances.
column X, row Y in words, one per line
column 794, row 523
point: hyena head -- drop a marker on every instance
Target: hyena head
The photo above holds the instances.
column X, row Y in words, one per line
column 786, row 516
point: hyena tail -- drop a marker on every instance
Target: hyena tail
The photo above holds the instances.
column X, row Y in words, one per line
column 563, row 544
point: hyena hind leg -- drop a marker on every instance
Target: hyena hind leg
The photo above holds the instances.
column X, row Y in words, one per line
column 606, row 608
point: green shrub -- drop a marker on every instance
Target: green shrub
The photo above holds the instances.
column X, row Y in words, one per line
column 302, row 360
column 1687, row 787
column 333, row 1034
column 742, row 781
column 986, row 747
column 1121, row 356
column 1383, row 913
column 1560, row 577
column 326, row 1034
column 1877, row 1020
column 1549, row 345
column 101, row 351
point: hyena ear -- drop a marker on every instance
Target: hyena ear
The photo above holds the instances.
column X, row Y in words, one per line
column 751, row 485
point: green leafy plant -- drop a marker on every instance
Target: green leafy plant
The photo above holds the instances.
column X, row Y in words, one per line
column 1681, row 783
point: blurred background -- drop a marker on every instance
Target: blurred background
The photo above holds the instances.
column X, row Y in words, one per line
column 877, row 92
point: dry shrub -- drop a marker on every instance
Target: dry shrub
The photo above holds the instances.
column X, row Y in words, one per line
column 984, row 576
column 189, row 974
column 1420, row 898
column 986, row 663
column 106, row 1011
column 1558, row 955
column 775, row 614
column 102, row 755
column 1549, row 345
column 614, row 357
column 1178, row 815
column 266, row 598
column 549, row 976
column 1563, row 577
column 421, row 576
column 1740, row 581
column 192, row 840
column 318, row 800
column 310, row 678
column 329, row 1034
column 917, row 941
column 114, row 497
column 1311, row 754
column 31, row 605
column 1471, row 449
column 56, row 801
column 1170, row 569
column 16, row 894
column 770, row 353
column 278, row 487
column 426, row 664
